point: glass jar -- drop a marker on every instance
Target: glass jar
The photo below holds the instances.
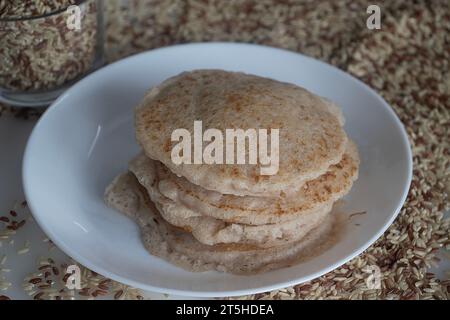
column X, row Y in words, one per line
column 42, row 55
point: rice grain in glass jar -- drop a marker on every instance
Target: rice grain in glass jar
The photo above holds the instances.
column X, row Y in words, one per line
column 46, row 46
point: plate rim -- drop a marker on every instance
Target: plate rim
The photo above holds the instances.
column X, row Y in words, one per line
column 27, row 158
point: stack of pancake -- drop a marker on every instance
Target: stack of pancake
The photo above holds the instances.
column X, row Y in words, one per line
column 229, row 217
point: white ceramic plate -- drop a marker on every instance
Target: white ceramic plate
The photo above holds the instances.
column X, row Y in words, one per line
column 86, row 138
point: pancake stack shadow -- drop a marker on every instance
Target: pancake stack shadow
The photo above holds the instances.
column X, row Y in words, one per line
column 229, row 217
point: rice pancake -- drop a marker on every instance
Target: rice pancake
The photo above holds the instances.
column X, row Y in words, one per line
column 212, row 231
column 313, row 197
column 180, row 248
column 311, row 137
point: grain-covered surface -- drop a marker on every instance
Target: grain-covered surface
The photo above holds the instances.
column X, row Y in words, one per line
column 407, row 62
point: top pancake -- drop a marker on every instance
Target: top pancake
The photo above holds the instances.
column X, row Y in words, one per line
column 311, row 134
